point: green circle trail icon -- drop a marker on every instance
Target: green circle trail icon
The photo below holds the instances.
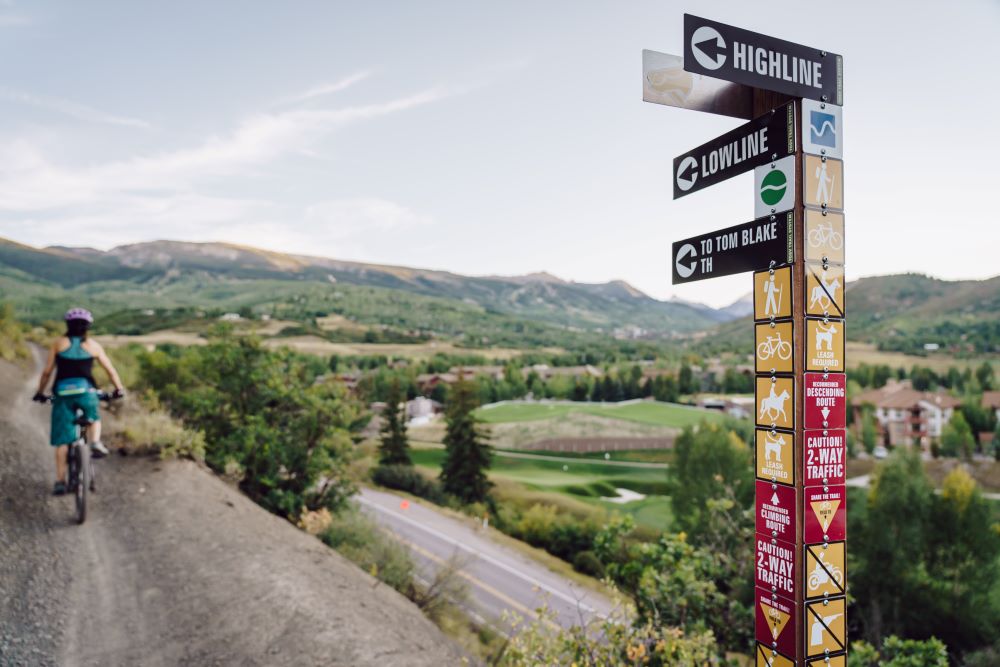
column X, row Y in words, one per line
column 772, row 188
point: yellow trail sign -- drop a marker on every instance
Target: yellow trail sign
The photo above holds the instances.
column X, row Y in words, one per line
column 775, row 456
column 772, row 294
column 773, row 347
column 825, row 626
column 775, row 402
column 823, row 183
column 835, row 661
column 825, row 291
column 768, row 658
column 824, row 343
column 825, row 571
column 824, row 232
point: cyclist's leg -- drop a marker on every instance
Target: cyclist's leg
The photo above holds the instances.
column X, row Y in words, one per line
column 90, row 405
column 63, row 432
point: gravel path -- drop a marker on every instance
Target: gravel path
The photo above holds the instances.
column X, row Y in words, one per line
column 174, row 567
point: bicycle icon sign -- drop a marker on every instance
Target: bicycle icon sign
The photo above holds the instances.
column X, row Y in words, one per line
column 824, row 237
column 774, row 347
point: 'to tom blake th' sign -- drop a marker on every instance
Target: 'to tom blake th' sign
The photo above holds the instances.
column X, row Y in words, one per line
column 734, row 54
column 763, row 139
column 746, row 247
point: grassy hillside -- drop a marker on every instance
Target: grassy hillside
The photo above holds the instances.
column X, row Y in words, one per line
column 902, row 313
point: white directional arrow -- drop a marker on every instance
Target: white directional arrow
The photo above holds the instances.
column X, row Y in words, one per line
column 774, row 498
column 685, row 270
column 687, row 173
column 826, row 412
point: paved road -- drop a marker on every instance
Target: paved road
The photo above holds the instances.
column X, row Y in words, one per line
column 499, row 578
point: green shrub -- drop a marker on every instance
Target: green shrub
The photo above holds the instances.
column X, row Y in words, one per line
column 12, row 336
column 588, row 563
column 407, row 478
column 139, row 431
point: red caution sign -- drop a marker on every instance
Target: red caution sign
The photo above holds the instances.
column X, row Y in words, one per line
column 776, row 621
column 775, row 510
column 775, row 566
column 825, row 400
column 825, row 513
column 824, row 460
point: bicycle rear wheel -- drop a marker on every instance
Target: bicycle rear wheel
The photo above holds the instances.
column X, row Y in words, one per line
column 81, row 454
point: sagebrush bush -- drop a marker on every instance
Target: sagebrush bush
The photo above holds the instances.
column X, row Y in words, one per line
column 141, row 431
column 359, row 540
column 13, row 346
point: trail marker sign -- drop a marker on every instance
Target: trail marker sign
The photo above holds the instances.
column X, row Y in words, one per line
column 773, row 347
column 775, row 566
column 775, row 510
column 824, row 231
column 824, row 457
column 734, row 54
column 768, row 657
column 752, row 144
column 775, row 402
column 825, row 513
column 732, row 250
column 825, row 345
column 823, row 182
column 833, row 661
column 774, row 186
column 776, row 621
column 825, row 571
column 824, row 401
column 775, row 455
column 772, row 294
column 822, row 129
column 825, row 291
column 825, row 626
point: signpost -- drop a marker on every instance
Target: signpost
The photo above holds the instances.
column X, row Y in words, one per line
column 796, row 249
column 736, row 249
column 763, row 139
column 734, row 54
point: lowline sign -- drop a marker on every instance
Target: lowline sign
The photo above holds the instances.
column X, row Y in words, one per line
column 742, row 56
column 762, row 140
column 747, row 247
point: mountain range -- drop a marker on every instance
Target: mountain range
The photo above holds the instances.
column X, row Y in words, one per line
column 902, row 311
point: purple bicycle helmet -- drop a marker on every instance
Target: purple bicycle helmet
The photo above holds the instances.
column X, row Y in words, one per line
column 79, row 314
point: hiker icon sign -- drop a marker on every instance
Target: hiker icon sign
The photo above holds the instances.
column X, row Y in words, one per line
column 772, row 294
column 824, row 183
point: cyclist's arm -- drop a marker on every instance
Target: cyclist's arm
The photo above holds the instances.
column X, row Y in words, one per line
column 50, row 365
column 105, row 362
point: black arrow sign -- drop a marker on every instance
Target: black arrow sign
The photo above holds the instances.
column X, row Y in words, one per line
column 765, row 138
column 765, row 62
column 751, row 246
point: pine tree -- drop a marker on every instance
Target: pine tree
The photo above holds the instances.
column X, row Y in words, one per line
column 394, row 448
column 467, row 456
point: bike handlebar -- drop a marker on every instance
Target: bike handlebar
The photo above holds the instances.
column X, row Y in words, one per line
column 105, row 396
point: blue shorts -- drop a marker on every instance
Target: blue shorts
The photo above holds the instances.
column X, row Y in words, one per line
column 64, row 427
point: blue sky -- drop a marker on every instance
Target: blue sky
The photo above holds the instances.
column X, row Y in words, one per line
column 498, row 138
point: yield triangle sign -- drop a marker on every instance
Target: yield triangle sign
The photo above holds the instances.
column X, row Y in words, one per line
column 776, row 619
column 826, row 412
column 825, row 511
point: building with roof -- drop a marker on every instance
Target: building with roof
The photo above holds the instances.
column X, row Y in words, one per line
column 991, row 401
column 905, row 416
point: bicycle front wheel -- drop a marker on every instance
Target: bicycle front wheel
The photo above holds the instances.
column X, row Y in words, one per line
column 82, row 456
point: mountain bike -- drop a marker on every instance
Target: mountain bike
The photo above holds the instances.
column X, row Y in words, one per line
column 81, row 478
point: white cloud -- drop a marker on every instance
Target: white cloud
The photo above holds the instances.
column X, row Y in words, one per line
column 69, row 108
column 325, row 89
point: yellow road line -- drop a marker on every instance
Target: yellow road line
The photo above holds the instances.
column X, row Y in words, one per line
column 528, row 613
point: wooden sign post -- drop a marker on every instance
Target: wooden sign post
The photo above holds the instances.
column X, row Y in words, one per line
column 795, row 247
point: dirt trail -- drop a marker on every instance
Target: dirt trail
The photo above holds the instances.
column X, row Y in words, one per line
column 174, row 567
